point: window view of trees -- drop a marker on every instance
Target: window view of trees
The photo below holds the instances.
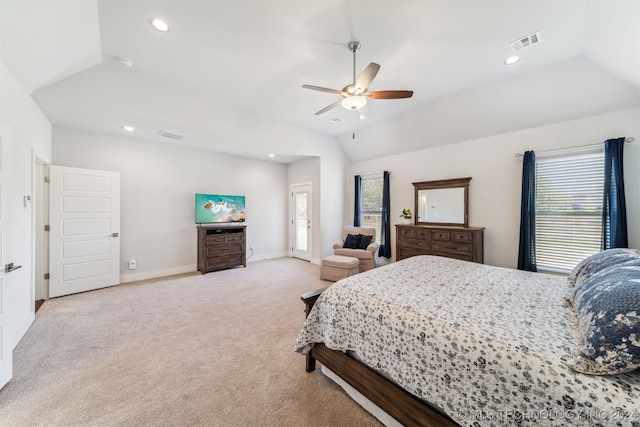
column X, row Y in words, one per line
column 371, row 208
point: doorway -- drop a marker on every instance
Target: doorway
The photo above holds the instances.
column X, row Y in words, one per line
column 41, row 212
column 301, row 224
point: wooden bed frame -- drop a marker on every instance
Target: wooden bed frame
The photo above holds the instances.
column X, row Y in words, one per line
column 401, row 405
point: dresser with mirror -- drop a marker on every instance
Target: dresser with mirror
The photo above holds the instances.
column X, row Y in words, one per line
column 441, row 223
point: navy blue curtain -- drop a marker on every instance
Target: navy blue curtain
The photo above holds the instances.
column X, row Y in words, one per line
column 356, row 202
column 385, row 240
column 527, row 248
column 614, row 210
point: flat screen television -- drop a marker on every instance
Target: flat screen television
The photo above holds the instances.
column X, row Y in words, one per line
column 217, row 208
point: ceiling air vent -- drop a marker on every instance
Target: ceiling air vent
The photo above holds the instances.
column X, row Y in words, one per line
column 170, row 135
column 526, row 41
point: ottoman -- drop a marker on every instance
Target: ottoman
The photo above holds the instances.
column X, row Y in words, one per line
column 336, row 267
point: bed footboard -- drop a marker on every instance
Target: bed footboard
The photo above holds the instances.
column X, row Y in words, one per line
column 309, row 299
column 401, row 405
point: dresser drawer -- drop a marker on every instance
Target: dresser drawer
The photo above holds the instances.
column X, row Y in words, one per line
column 442, row 235
column 461, row 236
column 224, row 249
column 407, row 252
column 456, row 248
column 412, row 232
column 406, row 232
column 415, row 243
column 224, row 238
column 224, row 261
column 458, row 256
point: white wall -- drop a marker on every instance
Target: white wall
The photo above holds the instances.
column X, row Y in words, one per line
column 30, row 134
column 494, row 192
column 334, row 170
column 158, row 183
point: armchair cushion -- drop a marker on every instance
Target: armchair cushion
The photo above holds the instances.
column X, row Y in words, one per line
column 352, row 241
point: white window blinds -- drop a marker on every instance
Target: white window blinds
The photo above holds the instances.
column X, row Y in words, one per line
column 371, row 204
column 569, row 191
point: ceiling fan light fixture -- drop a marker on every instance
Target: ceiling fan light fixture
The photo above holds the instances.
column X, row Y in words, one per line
column 356, row 94
column 355, row 102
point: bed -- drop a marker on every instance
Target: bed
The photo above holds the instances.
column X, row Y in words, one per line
column 439, row 341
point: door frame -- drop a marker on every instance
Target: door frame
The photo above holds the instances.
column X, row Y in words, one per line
column 310, row 224
column 40, row 218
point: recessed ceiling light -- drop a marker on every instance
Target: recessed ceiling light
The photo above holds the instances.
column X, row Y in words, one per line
column 512, row 60
column 159, row 25
column 128, row 128
column 272, row 155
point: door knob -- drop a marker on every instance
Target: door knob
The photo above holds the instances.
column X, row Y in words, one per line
column 8, row 268
column 114, row 235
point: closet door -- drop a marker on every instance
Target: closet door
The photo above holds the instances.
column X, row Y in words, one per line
column 84, row 230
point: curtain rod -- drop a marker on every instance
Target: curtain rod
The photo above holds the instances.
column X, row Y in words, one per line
column 628, row 140
column 371, row 175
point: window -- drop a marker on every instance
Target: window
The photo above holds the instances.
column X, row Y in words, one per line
column 569, row 192
column 371, row 204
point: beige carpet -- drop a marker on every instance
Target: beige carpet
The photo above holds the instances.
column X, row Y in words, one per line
column 214, row 350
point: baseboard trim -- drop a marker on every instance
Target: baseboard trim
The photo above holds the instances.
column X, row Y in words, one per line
column 154, row 274
column 262, row 257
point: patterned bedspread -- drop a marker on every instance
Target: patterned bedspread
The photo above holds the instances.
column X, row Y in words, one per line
column 483, row 343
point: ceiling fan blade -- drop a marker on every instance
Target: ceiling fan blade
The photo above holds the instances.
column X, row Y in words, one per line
column 390, row 94
column 366, row 77
column 330, row 107
column 322, row 89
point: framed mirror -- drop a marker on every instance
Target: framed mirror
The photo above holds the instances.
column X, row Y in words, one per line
column 443, row 202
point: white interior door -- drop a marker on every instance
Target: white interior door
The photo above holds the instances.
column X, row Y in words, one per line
column 6, row 348
column 84, row 217
column 301, row 212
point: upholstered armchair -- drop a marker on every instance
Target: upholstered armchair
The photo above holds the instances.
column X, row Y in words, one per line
column 353, row 245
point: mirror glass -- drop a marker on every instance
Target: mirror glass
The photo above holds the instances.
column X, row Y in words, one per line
column 443, row 202
column 441, row 205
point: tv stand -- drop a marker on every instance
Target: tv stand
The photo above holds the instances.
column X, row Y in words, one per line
column 221, row 246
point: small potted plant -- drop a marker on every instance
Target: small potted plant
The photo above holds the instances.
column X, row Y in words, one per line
column 406, row 215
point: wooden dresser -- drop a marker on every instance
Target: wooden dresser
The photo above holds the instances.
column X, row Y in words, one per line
column 221, row 246
column 465, row 243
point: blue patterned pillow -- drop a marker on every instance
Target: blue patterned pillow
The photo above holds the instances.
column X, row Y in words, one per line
column 608, row 308
column 596, row 262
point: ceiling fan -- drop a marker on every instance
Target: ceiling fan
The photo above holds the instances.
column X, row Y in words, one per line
column 356, row 95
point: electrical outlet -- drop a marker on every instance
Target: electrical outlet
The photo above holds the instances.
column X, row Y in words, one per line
column 251, row 247
column 133, row 264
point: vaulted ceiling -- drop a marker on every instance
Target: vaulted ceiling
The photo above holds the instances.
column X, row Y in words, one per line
column 228, row 76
